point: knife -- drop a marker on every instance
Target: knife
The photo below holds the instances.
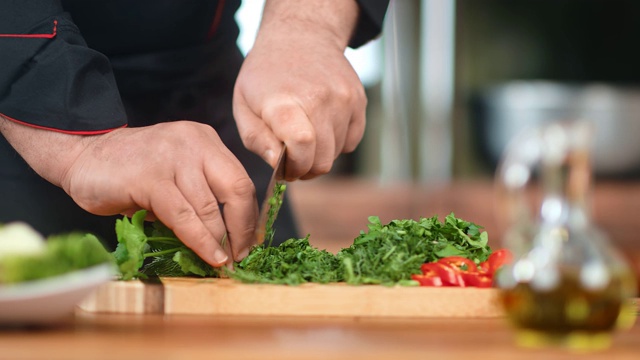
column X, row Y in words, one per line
column 269, row 206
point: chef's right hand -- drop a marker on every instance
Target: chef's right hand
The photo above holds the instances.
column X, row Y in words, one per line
column 180, row 171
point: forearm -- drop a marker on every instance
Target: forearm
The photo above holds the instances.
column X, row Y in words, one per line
column 315, row 20
column 49, row 153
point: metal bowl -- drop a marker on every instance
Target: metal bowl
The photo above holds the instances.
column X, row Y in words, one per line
column 507, row 109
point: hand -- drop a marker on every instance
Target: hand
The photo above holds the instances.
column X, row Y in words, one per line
column 296, row 87
column 179, row 171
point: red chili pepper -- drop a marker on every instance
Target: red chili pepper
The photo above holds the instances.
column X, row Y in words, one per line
column 450, row 275
column 460, row 262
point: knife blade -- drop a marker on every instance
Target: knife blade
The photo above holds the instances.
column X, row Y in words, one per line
column 269, row 206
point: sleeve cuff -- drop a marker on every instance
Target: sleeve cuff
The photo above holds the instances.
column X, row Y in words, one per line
column 370, row 20
column 52, row 80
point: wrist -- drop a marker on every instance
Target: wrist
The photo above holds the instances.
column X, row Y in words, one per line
column 330, row 21
column 50, row 154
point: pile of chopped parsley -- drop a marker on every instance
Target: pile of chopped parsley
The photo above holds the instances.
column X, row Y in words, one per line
column 386, row 254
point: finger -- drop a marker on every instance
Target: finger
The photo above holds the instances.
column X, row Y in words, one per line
column 290, row 123
column 195, row 189
column 170, row 206
column 325, row 152
column 351, row 102
column 254, row 132
column 236, row 192
column 356, row 128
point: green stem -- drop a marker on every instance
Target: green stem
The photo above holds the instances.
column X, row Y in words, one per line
column 162, row 239
column 163, row 252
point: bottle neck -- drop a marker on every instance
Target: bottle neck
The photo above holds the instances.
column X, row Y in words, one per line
column 566, row 186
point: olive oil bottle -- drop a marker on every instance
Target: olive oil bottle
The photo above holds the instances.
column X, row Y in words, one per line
column 569, row 314
column 567, row 285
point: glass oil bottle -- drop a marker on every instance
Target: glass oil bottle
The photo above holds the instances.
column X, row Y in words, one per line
column 567, row 285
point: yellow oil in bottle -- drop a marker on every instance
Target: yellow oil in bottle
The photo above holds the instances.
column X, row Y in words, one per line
column 570, row 315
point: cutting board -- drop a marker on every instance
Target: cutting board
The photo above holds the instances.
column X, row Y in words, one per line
column 229, row 297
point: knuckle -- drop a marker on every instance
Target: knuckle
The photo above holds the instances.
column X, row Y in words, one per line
column 250, row 139
column 210, row 209
column 243, row 187
column 305, row 137
column 348, row 92
column 320, row 94
column 282, row 109
column 345, row 93
column 184, row 215
column 322, row 167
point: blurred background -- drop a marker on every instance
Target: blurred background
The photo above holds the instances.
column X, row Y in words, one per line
column 450, row 81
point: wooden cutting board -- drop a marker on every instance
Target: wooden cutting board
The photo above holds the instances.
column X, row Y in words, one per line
column 229, row 297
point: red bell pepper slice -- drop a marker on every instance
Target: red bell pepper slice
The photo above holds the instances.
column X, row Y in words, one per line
column 427, row 280
column 460, row 262
column 484, row 267
column 450, row 275
column 496, row 260
column 477, row 279
column 461, row 271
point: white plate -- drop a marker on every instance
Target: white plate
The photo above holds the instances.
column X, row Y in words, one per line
column 48, row 300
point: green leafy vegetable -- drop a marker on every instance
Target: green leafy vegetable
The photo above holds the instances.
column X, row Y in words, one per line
column 154, row 250
column 388, row 254
column 294, row 262
column 62, row 254
column 132, row 244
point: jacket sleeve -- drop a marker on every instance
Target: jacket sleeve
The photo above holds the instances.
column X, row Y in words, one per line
column 370, row 21
column 49, row 78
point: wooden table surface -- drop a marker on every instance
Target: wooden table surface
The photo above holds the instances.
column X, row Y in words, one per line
column 344, row 206
column 90, row 336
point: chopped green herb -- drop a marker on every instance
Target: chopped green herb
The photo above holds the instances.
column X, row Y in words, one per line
column 275, row 202
column 388, row 254
column 294, row 262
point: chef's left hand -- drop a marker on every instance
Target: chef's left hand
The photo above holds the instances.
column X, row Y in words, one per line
column 296, row 87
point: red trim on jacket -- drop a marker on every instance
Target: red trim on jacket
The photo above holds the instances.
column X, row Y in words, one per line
column 70, row 132
column 39, row 36
column 216, row 20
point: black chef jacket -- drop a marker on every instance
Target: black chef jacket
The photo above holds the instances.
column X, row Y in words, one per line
column 88, row 67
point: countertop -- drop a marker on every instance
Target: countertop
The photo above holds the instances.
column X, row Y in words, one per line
column 90, row 336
